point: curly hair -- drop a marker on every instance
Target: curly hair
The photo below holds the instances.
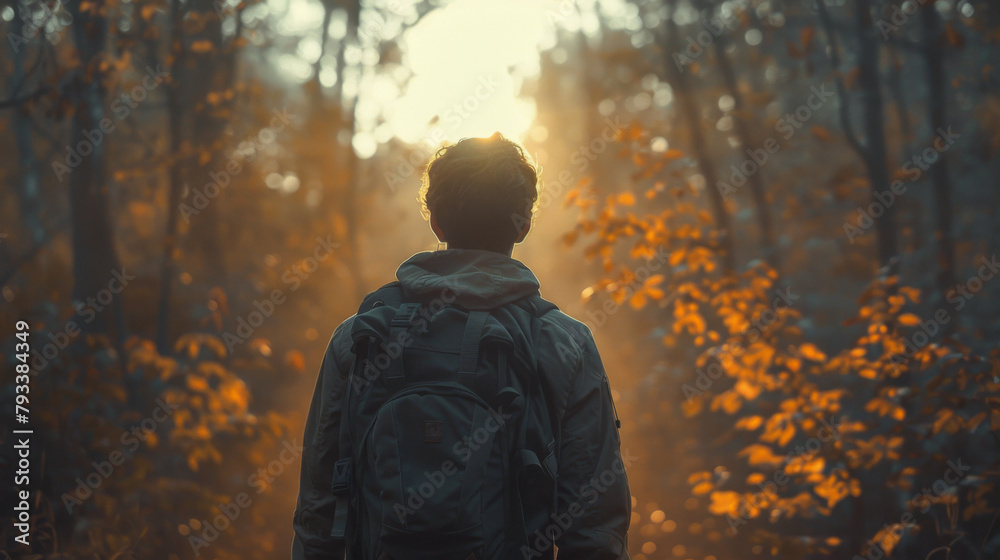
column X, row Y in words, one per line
column 481, row 192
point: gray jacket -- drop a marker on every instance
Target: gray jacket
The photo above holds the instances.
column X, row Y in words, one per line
column 594, row 503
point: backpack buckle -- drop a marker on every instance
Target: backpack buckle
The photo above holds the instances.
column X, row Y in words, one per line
column 404, row 314
column 342, row 471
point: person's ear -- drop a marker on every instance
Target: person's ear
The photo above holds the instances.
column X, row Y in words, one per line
column 437, row 229
column 524, row 232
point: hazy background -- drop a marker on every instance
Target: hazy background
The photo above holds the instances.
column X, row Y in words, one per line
column 197, row 193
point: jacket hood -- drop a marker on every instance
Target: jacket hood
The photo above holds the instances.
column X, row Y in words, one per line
column 477, row 279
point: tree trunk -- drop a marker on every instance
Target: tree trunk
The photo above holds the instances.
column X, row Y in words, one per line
column 936, row 105
column 214, row 75
column 175, row 180
column 878, row 170
column 95, row 257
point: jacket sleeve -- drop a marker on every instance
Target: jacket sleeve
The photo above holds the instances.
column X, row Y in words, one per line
column 592, row 490
column 315, row 506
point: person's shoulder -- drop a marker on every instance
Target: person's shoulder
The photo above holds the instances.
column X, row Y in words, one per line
column 570, row 326
column 568, row 338
column 339, row 347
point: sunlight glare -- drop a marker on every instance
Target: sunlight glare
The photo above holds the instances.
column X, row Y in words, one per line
column 469, row 60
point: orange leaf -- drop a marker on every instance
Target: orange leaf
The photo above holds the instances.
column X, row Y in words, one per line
column 810, row 351
column 724, row 502
column 909, row 320
column 296, row 360
column 638, row 300
column 626, row 198
column 201, row 46
column 702, row 488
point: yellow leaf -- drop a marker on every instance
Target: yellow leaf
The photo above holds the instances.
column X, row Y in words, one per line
column 201, row 46
column 887, row 537
column 638, row 300
column 653, row 280
column 724, row 502
column 296, row 360
column 910, row 292
column 786, row 434
column 749, row 423
column 197, row 383
column 810, row 351
column 758, row 454
column 699, row 477
column 755, row 478
column 702, row 488
column 909, row 320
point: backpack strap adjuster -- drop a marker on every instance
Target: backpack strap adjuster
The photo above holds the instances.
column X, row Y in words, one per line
column 343, row 471
column 468, row 360
column 403, row 315
column 401, row 322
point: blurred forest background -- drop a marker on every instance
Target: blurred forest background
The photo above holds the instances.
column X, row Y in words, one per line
column 779, row 218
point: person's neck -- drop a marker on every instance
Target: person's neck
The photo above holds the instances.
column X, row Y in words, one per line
column 506, row 252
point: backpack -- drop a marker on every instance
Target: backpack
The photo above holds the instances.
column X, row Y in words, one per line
column 442, row 429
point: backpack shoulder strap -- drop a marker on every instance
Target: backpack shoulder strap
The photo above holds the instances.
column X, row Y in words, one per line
column 538, row 305
column 390, row 294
